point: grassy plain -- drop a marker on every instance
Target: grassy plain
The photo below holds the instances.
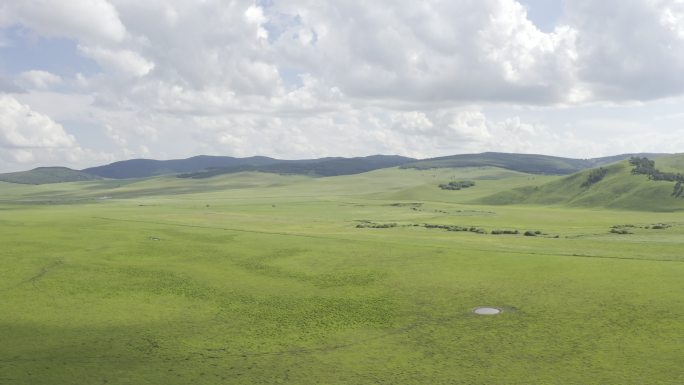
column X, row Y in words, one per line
column 265, row 279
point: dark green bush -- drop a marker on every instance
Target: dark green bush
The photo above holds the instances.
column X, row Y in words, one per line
column 595, row 176
column 457, row 185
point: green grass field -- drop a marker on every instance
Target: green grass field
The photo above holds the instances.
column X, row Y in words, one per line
column 258, row 278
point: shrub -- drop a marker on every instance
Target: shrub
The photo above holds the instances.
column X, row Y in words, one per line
column 457, row 185
column 505, row 232
column 371, row 225
column 620, row 231
column 595, row 176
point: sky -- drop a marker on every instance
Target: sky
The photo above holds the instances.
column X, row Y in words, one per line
column 89, row 82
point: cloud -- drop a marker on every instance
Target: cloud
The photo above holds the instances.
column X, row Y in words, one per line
column 21, row 127
column 429, row 51
column 255, row 16
column 300, row 78
column 120, row 61
column 39, row 79
column 9, row 86
column 82, row 19
column 630, row 49
column 28, row 137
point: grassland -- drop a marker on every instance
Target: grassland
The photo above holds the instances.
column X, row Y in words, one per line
column 258, row 278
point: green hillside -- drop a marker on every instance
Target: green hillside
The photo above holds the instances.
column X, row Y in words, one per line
column 619, row 189
column 527, row 163
column 45, row 175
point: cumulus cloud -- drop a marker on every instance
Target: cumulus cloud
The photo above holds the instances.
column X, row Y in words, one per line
column 81, row 19
column 299, row 78
column 123, row 61
column 427, row 51
column 28, row 137
column 21, row 127
column 630, row 49
column 39, row 79
column 9, row 86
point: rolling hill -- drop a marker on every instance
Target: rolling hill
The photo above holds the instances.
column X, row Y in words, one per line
column 619, row 188
column 204, row 166
column 207, row 166
column 143, row 168
column 316, row 167
column 527, row 163
column 45, row 175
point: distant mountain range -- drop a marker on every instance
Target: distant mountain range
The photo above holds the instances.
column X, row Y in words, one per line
column 208, row 166
column 45, row 175
column 314, row 167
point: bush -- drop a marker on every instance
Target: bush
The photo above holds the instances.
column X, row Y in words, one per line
column 660, row 226
column 620, row 231
column 531, row 233
column 595, row 176
column 505, row 232
column 455, row 228
column 457, row 185
column 371, row 225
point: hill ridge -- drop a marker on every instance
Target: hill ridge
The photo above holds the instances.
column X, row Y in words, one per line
column 618, row 186
column 205, row 166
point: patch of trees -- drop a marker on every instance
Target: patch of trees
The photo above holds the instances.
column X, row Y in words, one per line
column 505, row 232
column 455, row 228
column 621, row 229
column 406, row 204
column 627, row 229
column 659, row 226
column 373, row 225
column 457, row 185
column 642, row 166
column 595, row 176
column 645, row 166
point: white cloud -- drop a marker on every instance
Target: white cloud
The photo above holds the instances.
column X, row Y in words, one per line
column 469, row 126
column 122, row 61
column 39, row 79
column 255, row 16
column 299, row 78
column 427, row 51
column 630, row 49
column 30, row 138
column 83, row 19
column 21, row 127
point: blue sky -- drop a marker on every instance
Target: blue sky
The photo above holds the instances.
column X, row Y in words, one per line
column 87, row 82
column 545, row 14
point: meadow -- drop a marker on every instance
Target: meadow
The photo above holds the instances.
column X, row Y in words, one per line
column 256, row 278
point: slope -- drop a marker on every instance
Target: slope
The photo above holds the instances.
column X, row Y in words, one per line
column 142, row 168
column 527, row 163
column 45, row 175
column 315, row 167
column 619, row 188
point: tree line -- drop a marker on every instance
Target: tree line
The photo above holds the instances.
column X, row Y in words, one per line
column 645, row 166
column 595, row 176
